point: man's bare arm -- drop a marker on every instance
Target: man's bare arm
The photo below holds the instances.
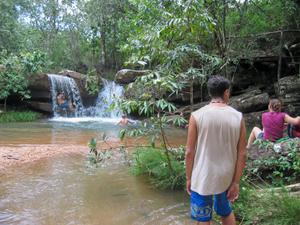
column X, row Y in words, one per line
column 190, row 151
column 240, row 164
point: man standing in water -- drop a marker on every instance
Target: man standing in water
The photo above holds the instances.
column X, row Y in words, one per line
column 215, row 155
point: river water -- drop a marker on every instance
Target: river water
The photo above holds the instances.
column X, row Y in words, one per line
column 66, row 189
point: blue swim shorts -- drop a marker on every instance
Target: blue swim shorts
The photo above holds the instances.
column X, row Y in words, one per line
column 201, row 206
column 260, row 135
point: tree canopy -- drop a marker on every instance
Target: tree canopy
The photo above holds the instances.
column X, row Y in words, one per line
column 101, row 34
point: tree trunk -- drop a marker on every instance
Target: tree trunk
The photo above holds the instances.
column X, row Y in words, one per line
column 192, row 95
column 5, row 104
column 103, row 49
column 103, row 42
column 165, row 146
column 114, row 46
column 280, row 56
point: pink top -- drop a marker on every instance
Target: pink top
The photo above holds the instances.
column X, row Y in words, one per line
column 273, row 124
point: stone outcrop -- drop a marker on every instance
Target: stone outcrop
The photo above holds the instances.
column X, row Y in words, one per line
column 39, row 87
column 127, row 76
column 273, row 150
column 253, row 119
column 288, row 90
column 40, row 106
column 251, row 101
column 69, row 73
column 80, row 80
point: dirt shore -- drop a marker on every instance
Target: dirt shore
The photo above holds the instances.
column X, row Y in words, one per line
column 19, row 154
column 14, row 155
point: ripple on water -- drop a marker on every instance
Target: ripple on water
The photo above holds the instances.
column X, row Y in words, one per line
column 66, row 190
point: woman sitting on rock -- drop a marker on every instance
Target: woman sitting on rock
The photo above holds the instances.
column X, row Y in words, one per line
column 273, row 123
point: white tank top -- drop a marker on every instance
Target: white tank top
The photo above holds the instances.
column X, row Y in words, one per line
column 218, row 130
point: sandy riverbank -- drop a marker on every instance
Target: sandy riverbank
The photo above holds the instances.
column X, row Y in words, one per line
column 17, row 154
column 14, row 155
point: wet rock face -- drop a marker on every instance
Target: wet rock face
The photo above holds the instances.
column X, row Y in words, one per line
column 288, row 90
column 39, row 87
column 253, row 119
column 80, row 80
column 127, row 76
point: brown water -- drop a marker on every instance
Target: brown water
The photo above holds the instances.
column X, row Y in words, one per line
column 48, row 132
column 67, row 190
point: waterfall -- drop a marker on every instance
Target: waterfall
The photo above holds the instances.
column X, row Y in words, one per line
column 110, row 93
column 69, row 87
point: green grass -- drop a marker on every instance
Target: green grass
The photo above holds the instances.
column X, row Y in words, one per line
column 254, row 206
column 153, row 163
column 19, row 116
column 266, row 207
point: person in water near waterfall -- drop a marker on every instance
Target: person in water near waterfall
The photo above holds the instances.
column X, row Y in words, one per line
column 273, row 123
column 63, row 103
column 215, row 155
column 124, row 121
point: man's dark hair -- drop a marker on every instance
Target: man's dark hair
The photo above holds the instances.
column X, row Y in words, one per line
column 217, row 85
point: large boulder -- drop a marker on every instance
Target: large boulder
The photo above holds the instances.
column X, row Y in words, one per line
column 251, row 101
column 254, row 73
column 127, row 76
column 288, row 90
column 39, row 87
column 80, row 80
column 40, row 106
column 70, row 73
column 253, row 119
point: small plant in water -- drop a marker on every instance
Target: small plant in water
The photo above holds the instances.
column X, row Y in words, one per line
column 96, row 156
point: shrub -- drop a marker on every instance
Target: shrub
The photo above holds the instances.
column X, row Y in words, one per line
column 14, row 116
column 266, row 207
column 92, row 83
column 278, row 163
column 154, row 163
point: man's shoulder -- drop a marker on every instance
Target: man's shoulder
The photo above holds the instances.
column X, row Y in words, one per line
column 233, row 109
column 200, row 110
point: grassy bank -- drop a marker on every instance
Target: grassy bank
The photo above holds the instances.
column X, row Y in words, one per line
column 19, row 116
column 153, row 163
column 266, row 207
column 254, row 206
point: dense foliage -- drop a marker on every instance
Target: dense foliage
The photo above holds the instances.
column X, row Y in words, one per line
column 265, row 206
column 83, row 35
column 16, row 71
column 280, row 163
column 188, row 38
column 154, row 163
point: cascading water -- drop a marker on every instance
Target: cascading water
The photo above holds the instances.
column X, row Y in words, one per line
column 110, row 93
column 69, row 87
